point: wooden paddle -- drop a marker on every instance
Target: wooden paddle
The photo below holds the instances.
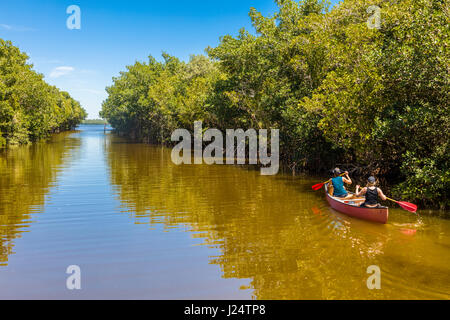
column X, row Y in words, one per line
column 320, row 185
column 411, row 207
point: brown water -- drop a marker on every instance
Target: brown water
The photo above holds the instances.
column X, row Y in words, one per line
column 141, row 227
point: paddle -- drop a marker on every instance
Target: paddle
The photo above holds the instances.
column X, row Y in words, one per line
column 320, row 185
column 411, row 207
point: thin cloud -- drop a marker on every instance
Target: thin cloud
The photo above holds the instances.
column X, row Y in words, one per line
column 87, row 71
column 61, row 71
column 92, row 91
column 6, row 26
column 44, row 61
column 97, row 92
column 15, row 28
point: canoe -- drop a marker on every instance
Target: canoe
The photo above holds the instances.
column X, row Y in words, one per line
column 351, row 207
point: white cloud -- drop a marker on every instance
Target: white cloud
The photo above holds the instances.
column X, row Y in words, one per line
column 61, row 71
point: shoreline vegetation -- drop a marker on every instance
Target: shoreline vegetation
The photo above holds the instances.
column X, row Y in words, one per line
column 94, row 121
column 372, row 101
column 30, row 108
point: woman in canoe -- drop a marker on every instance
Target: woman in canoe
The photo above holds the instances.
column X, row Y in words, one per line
column 372, row 194
column 338, row 184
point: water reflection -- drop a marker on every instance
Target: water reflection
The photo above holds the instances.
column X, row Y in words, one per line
column 26, row 175
column 277, row 233
column 270, row 237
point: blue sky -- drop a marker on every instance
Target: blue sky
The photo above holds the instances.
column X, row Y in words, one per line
column 114, row 34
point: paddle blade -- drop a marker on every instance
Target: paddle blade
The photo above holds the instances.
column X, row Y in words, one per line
column 317, row 186
column 411, row 207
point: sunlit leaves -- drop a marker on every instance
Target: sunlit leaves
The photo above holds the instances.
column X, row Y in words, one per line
column 30, row 109
column 337, row 90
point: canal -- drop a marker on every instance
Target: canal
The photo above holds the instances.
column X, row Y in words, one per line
column 140, row 227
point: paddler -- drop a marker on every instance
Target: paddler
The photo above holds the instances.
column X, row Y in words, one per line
column 371, row 192
column 338, row 184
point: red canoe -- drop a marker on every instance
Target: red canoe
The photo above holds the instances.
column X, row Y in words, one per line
column 351, row 208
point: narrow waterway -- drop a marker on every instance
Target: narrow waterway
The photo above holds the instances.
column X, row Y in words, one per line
column 140, row 227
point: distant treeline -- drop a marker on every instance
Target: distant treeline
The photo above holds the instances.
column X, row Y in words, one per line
column 340, row 92
column 30, row 108
column 94, row 121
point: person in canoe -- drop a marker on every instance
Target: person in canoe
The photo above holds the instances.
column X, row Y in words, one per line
column 338, row 184
column 372, row 194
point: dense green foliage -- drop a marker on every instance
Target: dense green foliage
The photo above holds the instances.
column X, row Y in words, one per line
column 152, row 99
column 30, row 108
column 339, row 91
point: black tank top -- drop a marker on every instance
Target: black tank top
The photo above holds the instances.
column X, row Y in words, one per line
column 371, row 196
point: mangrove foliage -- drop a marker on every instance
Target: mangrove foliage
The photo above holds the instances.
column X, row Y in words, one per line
column 340, row 91
column 30, row 108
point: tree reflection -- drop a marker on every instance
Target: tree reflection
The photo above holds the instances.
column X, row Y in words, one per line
column 26, row 175
column 270, row 230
